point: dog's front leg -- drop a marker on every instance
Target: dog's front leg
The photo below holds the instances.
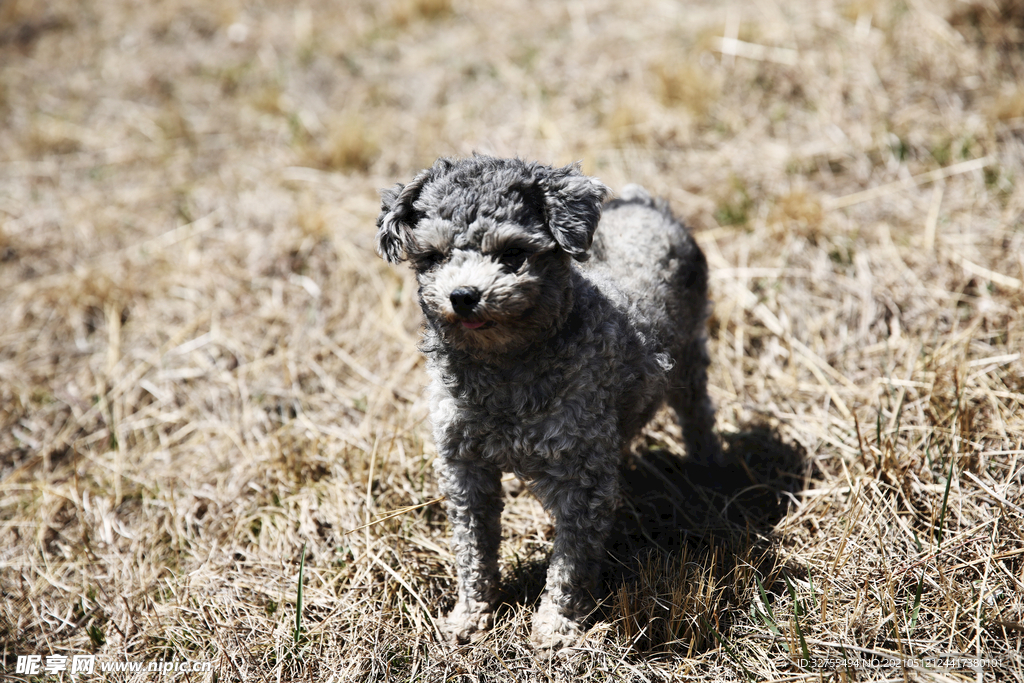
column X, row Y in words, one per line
column 472, row 489
column 583, row 508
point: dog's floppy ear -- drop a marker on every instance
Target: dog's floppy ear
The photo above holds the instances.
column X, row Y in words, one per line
column 397, row 218
column 572, row 205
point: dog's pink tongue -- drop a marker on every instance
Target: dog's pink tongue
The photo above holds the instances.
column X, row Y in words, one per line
column 472, row 324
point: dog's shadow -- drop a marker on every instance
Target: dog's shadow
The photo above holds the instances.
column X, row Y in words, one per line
column 669, row 501
column 680, row 527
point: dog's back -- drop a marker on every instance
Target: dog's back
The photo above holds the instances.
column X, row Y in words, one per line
column 643, row 255
column 646, row 253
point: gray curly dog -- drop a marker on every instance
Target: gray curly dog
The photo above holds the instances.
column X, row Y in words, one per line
column 544, row 361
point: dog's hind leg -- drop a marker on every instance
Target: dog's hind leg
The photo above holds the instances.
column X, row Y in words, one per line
column 472, row 489
column 688, row 396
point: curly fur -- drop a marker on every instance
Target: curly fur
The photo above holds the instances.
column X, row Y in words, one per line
column 544, row 363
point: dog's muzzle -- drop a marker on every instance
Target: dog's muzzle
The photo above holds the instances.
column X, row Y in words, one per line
column 464, row 300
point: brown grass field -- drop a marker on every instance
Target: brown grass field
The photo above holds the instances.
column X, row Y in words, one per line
column 207, row 375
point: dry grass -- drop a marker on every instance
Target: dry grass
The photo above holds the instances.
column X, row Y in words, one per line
column 204, row 368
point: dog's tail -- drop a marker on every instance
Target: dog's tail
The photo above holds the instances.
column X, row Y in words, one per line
column 635, row 193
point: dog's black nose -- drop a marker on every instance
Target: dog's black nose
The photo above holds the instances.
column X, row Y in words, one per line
column 464, row 300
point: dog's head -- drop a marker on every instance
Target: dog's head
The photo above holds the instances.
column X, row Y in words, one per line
column 491, row 242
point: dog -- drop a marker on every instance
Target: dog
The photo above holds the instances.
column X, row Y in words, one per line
column 557, row 323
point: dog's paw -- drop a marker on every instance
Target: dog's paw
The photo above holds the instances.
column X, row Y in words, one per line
column 467, row 623
column 552, row 630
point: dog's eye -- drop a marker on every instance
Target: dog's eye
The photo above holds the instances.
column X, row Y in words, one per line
column 513, row 258
column 428, row 260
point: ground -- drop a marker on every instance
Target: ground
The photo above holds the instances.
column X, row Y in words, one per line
column 209, row 383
